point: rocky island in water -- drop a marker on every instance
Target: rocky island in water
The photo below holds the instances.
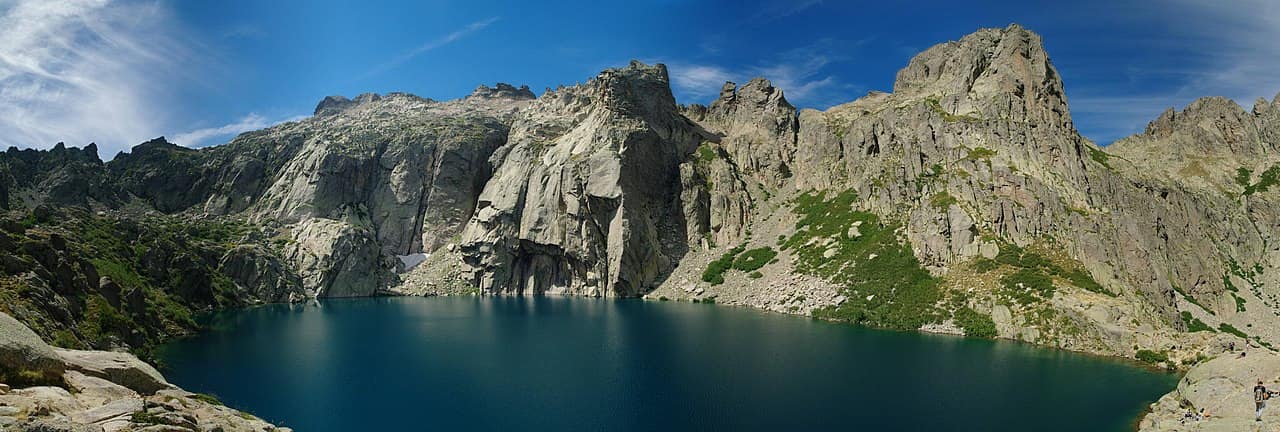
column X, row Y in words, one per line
column 963, row 202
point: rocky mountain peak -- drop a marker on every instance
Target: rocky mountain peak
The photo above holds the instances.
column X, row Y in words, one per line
column 758, row 92
column 503, row 91
column 646, row 88
column 1206, row 108
column 336, row 104
column 992, row 73
column 332, row 105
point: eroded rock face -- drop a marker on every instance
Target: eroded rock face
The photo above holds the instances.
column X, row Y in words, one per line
column 266, row 276
column 384, row 175
column 585, row 195
column 756, row 126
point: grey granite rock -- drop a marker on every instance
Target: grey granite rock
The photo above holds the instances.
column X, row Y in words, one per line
column 24, row 357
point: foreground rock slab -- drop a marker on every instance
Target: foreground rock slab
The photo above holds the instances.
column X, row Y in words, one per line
column 24, row 355
column 120, row 368
column 96, row 391
column 1223, row 387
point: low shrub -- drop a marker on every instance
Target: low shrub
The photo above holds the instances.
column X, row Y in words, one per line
column 975, row 324
column 1152, row 357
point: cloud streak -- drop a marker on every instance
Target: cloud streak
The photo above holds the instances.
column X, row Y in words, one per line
column 431, row 45
column 81, row 71
column 206, row 136
column 801, row 73
column 1224, row 48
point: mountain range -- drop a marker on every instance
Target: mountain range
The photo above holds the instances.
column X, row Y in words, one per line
column 963, row 202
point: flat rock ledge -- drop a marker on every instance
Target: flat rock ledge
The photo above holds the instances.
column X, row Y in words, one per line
column 100, row 391
column 1223, row 388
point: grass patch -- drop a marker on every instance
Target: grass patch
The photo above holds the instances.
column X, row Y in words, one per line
column 1239, row 302
column 1244, row 177
column 1027, row 286
column 1082, row 279
column 942, row 201
column 1033, row 277
column 28, row 378
column 754, row 259
column 984, row 265
column 1228, row 328
column 706, row 153
column 980, row 153
column 1194, row 324
column 714, row 272
column 1100, row 157
column 143, row 417
column 207, row 398
column 1189, row 298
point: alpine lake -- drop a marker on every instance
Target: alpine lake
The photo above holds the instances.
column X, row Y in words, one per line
column 575, row 364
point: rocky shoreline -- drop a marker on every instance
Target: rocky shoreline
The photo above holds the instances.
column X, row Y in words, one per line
column 51, row 389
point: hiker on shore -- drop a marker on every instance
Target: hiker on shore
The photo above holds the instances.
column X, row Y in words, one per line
column 1260, row 397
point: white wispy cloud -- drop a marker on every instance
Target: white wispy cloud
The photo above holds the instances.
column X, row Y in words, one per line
column 699, row 81
column 81, row 71
column 431, row 45
column 1220, row 48
column 217, row 135
column 801, row 73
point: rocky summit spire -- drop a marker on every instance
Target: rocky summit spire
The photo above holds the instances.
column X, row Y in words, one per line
column 992, row 73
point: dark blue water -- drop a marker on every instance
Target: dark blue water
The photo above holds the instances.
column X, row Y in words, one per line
column 560, row 364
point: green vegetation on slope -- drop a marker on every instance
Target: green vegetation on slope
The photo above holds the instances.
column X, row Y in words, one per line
column 87, row 281
column 1100, row 157
column 884, row 284
column 1032, row 278
column 1265, row 181
column 754, row 259
column 975, row 324
column 1228, row 328
column 715, row 270
column 706, row 153
column 936, row 106
column 1152, row 357
column 737, row 259
column 1194, row 324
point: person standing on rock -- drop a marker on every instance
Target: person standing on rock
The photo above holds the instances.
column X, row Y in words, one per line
column 1260, row 396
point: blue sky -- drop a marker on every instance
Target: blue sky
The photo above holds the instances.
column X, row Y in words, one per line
column 118, row 72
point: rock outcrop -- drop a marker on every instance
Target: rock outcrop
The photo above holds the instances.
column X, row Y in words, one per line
column 585, row 196
column 24, row 356
column 101, row 391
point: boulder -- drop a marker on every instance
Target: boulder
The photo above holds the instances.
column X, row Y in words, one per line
column 120, row 368
column 24, row 358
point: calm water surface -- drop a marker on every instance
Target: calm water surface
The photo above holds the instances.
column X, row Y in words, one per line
column 565, row 364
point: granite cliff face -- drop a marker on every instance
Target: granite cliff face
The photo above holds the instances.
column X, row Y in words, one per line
column 362, row 181
column 585, row 196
